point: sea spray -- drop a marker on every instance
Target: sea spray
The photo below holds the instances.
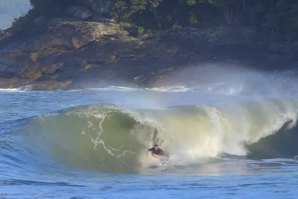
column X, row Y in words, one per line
column 113, row 139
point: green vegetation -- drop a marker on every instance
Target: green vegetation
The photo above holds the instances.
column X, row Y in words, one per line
column 44, row 8
column 141, row 31
column 271, row 19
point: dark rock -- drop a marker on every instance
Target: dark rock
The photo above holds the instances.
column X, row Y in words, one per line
column 70, row 53
column 11, row 82
column 80, row 12
column 102, row 7
column 39, row 21
column 4, row 34
column 6, row 74
column 51, row 85
column 52, row 55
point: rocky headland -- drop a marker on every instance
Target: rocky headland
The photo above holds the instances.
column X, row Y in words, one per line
column 86, row 49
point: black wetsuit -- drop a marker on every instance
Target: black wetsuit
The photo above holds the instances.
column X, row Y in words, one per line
column 158, row 151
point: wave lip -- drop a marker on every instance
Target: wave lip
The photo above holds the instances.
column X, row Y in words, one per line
column 109, row 138
column 175, row 89
column 89, row 137
column 115, row 88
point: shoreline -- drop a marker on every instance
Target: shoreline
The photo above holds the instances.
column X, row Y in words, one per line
column 67, row 54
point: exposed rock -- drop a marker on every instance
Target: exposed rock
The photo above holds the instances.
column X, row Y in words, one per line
column 4, row 34
column 64, row 35
column 11, row 82
column 102, row 7
column 52, row 54
column 80, row 12
column 39, row 21
column 66, row 53
column 6, row 74
column 30, row 72
column 51, row 85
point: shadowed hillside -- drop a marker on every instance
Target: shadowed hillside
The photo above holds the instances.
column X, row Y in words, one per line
column 63, row 44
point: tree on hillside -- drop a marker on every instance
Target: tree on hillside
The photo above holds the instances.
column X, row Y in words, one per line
column 229, row 8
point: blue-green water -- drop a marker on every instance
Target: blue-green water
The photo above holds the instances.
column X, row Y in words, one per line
column 92, row 144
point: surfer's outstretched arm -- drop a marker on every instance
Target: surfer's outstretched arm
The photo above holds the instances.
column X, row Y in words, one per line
column 158, row 153
column 154, row 155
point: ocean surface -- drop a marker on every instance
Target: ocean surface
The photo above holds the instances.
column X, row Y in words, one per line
column 223, row 141
column 232, row 135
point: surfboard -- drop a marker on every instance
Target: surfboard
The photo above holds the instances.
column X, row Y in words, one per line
column 159, row 163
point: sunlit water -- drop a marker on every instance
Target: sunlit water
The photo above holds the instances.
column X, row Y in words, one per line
column 30, row 171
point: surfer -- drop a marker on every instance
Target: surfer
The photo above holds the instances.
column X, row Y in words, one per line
column 157, row 152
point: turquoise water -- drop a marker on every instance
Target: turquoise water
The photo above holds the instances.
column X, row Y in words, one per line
column 92, row 144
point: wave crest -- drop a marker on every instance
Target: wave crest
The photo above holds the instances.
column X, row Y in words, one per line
column 112, row 139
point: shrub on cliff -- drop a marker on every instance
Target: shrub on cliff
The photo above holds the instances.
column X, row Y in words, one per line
column 165, row 13
column 273, row 19
column 44, row 8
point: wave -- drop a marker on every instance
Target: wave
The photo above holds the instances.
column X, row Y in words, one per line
column 282, row 144
column 174, row 89
column 177, row 89
column 115, row 88
column 109, row 138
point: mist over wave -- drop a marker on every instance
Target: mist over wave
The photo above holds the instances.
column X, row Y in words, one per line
column 113, row 139
column 232, row 79
column 192, row 124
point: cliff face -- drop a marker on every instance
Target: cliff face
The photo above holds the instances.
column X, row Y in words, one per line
column 85, row 50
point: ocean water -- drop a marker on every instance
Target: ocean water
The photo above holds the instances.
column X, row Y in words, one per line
column 92, row 143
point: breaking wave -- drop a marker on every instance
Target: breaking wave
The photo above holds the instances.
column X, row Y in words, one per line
column 109, row 138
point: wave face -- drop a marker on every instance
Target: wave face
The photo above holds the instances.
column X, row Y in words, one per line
column 12, row 9
column 109, row 138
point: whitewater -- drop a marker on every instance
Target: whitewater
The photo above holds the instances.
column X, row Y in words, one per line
column 233, row 136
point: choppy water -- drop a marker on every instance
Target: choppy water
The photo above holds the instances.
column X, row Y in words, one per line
column 92, row 144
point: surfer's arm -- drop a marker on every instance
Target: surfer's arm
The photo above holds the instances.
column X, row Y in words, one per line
column 156, row 156
column 153, row 155
column 150, row 153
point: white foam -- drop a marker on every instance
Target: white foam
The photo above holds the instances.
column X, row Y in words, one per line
column 11, row 90
column 207, row 132
column 110, row 88
column 16, row 90
column 178, row 89
column 132, row 89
